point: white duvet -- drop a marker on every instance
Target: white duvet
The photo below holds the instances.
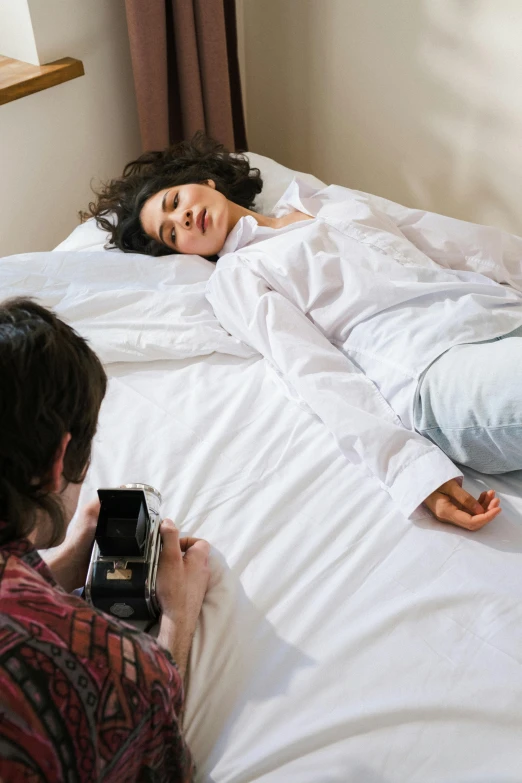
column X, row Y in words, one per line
column 339, row 642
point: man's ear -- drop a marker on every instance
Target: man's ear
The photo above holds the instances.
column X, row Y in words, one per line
column 57, row 469
column 210, row 183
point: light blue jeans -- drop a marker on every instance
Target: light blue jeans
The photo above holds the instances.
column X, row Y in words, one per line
column 469, row 402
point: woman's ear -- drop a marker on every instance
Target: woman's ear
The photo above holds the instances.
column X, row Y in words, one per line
column 210, row 183
column 57, row 469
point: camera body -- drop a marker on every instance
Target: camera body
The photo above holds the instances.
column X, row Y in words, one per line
column 121, row 579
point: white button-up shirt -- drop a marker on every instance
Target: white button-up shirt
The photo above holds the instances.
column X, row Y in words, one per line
column 351, row 307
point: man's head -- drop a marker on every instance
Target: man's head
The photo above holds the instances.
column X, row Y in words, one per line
column 51, row 388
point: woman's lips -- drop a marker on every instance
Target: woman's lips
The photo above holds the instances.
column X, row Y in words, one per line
column 201, row 220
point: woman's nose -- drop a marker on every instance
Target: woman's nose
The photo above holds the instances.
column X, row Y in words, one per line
column 187, row 218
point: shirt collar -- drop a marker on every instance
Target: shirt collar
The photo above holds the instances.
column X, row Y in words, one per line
column 294, row 197
column 23, row 549
column 242, row 233
column 298, row 195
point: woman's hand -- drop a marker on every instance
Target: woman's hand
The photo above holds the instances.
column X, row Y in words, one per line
column 450, row 503
column 181, row 584
column 69, row 562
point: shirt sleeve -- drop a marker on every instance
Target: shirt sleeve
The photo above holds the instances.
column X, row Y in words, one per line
column 365, row 427
column 160, row 741
column 457, row 244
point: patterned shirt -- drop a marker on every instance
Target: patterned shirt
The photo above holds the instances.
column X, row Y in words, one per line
column 83, row 697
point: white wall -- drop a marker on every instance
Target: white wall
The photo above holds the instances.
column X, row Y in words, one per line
column 419, row 100
column 53, row 143
column 16, row 32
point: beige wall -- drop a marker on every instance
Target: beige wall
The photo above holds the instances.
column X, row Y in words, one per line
column 16, row 32
column 54, row 142
column 418, row 100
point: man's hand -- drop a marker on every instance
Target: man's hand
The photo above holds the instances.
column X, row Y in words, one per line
column 181, row 584
column 69, row 562
column 450, row 503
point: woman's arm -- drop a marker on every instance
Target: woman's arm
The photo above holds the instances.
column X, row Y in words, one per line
column 366, row 429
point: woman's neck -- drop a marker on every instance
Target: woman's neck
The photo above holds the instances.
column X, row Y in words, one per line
column 236, row 212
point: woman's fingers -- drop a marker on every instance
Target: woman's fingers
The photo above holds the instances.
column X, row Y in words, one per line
column 450, row 503
column 488, row 500
column 483, row 499
column 445, row 509
column 476, row 522
column 467, row 501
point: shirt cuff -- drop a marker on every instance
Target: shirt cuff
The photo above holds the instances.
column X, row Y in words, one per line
column 422, row 477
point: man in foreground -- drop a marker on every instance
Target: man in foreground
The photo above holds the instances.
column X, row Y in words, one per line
column 83, row 696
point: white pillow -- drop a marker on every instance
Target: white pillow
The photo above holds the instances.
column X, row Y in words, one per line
column 276, row 178
column 86, row 236
column 130, row 307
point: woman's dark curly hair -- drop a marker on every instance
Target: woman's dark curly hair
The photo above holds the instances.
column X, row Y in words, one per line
column 119, row 202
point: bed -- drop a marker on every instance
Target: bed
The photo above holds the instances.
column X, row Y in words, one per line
column 339, row 641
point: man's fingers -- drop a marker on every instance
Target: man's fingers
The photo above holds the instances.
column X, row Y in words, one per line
column 93, row 507
column 187, row 541
column 192, row 550
column 170, row 539
column 167, row 527
column 91, row 510
column 198, row 553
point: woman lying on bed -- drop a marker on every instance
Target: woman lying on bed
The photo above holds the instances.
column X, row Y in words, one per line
column 401, row 329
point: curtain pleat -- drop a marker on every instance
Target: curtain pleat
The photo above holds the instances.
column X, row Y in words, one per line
column 213, row 63
column 238, row 116
column 185, row 33
column 146, row 23
column 186, row 70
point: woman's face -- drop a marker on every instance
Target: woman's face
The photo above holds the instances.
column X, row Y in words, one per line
column 191, row 219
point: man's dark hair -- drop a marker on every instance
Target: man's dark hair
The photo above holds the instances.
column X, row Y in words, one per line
column 51, row 383
column 119, row 202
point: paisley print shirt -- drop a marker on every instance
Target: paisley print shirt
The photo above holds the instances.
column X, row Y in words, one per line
column 83, row 697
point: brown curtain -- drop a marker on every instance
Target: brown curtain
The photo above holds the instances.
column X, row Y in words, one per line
column 186, row 71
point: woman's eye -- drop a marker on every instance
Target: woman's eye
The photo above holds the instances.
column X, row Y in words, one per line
column 174, row 206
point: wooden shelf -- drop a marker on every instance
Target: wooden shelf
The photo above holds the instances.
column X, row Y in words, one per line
column 18, row 79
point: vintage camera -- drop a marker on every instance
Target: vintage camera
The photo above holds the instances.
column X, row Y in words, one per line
column 122, row 573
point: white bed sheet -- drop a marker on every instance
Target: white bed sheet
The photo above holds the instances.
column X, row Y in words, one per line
column 338, row 642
